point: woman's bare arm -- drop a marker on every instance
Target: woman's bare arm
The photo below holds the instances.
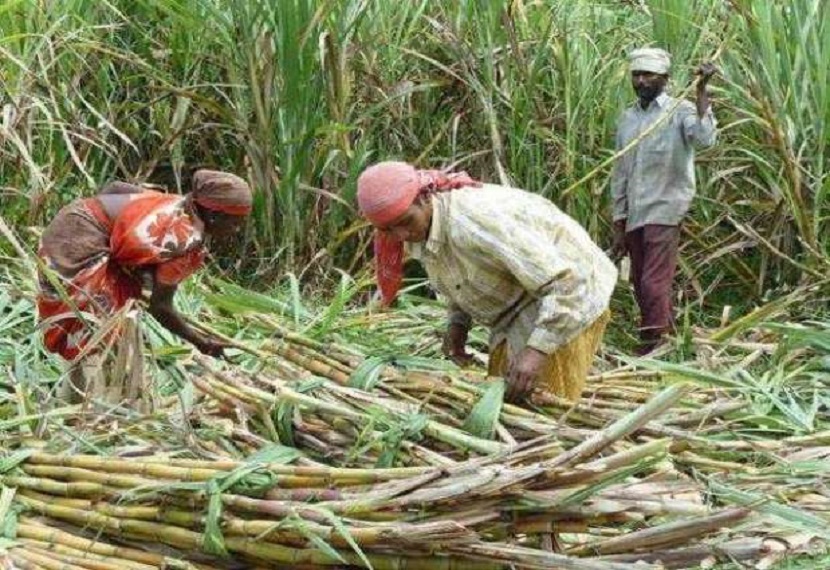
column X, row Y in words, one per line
column 161, row 307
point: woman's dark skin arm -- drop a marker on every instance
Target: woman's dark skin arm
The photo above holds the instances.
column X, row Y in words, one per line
column 161, row 307
column 115, row 195
column 120, row 188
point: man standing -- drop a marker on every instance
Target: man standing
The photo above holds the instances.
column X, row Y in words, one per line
column 653, row 183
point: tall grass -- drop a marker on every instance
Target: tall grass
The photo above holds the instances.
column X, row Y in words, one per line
column 300, row 95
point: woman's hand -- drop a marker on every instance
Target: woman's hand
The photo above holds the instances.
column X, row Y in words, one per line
column 161, row 307
column 212, row 347
column 524, row 374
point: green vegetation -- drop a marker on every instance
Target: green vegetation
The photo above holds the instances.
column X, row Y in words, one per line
column 298, row 96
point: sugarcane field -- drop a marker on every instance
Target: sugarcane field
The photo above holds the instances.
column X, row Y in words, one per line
column 420, row 285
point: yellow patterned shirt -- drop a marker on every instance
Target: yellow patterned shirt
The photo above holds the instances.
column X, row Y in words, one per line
column 511, row 260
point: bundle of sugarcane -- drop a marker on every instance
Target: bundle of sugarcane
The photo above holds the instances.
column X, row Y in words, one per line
column 450, row 412
column 40, row 546
column 449, row 517
column 292, row 354
column 480, row 513
column 691, row 449
column 346, row 425
column 353, row 411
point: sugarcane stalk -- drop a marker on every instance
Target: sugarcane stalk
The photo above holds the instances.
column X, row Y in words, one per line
column 191, row 470
column 45, row 561
column 166, row 534
column 626, row 375
column 189, row 540
column 28, row 528
column 233, row 392
column 297, row 338
column 65, row 501
column 447, row 434
column 622, row 427
column 708, row 413
column 434, row 535
column 81, row 562
column 314, row 366
column 154, row 470
column 51, row 487
column 276, row 553
column 218, row 394
column 664, row 535
column 321, row 357
column 532, row 558
column 285, row 393
column 77, row 474
column 79, row 554
column 737, row 550
column 21, row 563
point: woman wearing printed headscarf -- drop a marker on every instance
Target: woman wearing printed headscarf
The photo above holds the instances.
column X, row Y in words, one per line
column 101, row 249
column 502, row 257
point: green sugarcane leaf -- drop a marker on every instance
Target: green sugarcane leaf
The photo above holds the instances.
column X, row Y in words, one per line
column 485, row 414
column 238, row 299
column 387, row 456
column 283, row 413
column 12, row 460
column 297, row 307
column 8, row 514
column 795, row 518
column 311, row 385
column 684, row 372
column 345, row 292
column 392, row 440
column 367, row 375
column 318, row 542
column 274, row 453
column 213, row 541
column 423, row 363
column 344, row 532
column 283, row 416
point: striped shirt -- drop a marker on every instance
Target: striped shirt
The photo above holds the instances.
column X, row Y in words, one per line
column 513, row 261
column 654, row 182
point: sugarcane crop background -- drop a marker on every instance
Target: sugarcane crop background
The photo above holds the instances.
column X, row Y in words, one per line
column 335, row 434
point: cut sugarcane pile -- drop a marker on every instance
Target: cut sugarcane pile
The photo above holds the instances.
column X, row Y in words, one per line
column 605, row 503
column 379, row 517
column 312, row 453
column 460, row 516
column 41, row 546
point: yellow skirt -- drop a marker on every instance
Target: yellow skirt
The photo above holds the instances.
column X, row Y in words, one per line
column 566, row 370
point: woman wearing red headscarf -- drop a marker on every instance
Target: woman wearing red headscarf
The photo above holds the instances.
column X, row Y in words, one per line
column 101, row 249
column 502, row 257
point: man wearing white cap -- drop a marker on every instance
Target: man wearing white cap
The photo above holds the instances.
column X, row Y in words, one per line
column 653, row 183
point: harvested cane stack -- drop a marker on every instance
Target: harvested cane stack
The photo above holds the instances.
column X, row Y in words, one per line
column 386, row 518
column 345, row 410
column 507, row 507
column 401, row 469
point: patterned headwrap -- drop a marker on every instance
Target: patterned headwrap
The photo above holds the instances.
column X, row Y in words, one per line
column 222, row 192
column 384, row 192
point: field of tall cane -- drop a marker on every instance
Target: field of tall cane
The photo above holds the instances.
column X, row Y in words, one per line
column 300, row 95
